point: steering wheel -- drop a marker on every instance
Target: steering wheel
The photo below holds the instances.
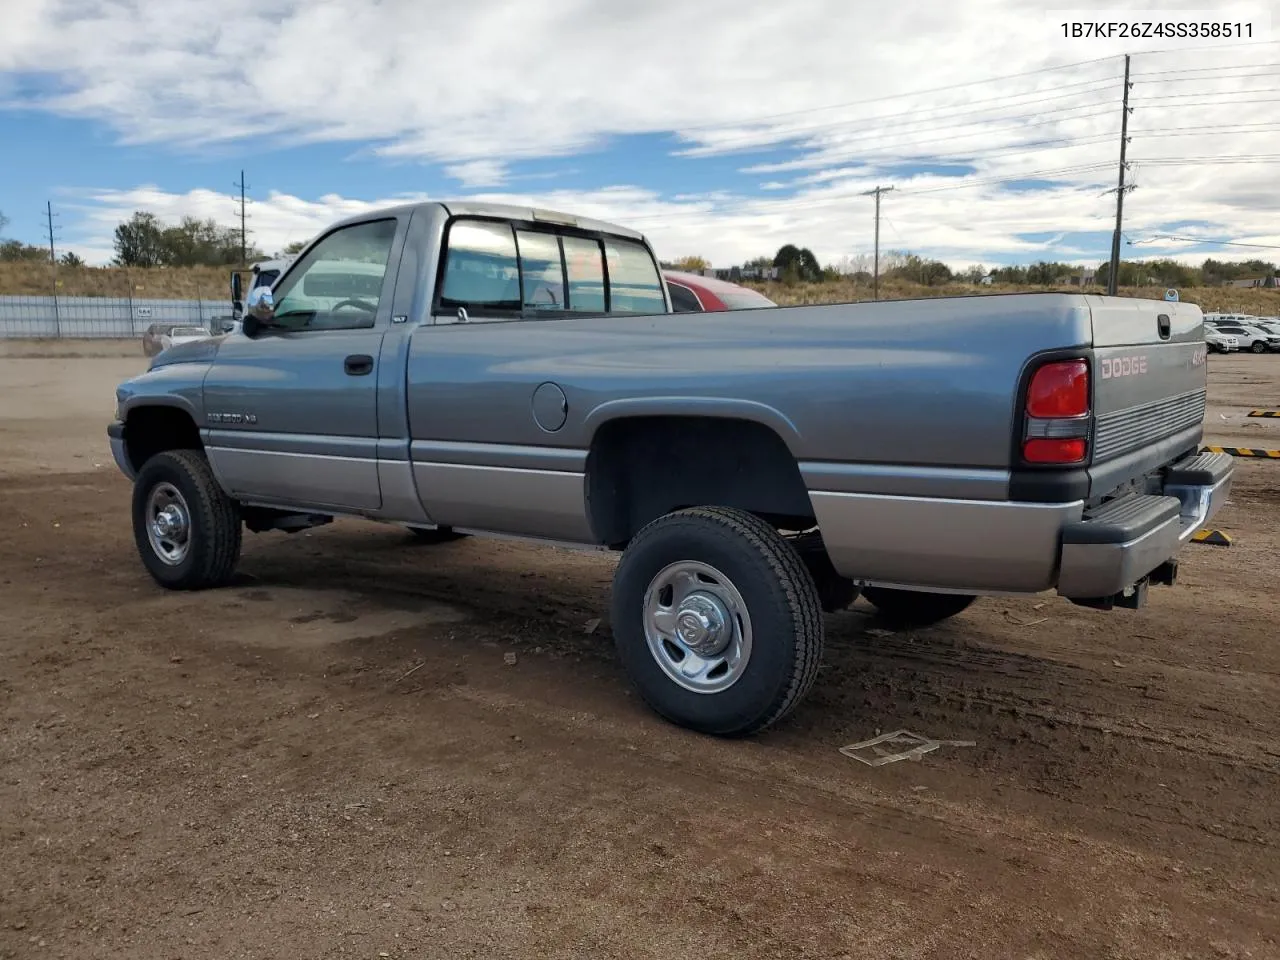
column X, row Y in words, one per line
column 364, row 305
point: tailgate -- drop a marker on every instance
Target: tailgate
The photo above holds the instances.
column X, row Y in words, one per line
column 1149, row 379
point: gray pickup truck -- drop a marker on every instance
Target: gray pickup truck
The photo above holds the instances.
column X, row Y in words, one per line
column 463, row 368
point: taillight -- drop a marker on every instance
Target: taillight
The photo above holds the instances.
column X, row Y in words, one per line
column 1058, row 415
column 1059, row 390
column 1040, row 450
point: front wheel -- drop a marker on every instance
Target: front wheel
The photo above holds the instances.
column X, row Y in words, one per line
column 186, row 528
column 1258, row 347
column 913, row 608
column 717, row 621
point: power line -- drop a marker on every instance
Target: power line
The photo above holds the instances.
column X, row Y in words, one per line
column 983, row 126
column 1182, row 51
column 1231, row 76
column 899, row 96
column 1223, row 243
column 967, row 157
column 1225, row 66
column 1207, row 93
column 769, row 207
column 768, row 135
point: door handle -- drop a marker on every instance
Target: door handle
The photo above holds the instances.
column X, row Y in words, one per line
column 358, row 364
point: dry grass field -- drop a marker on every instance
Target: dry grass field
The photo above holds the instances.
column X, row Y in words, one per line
column 213, row 283
column 335, row 758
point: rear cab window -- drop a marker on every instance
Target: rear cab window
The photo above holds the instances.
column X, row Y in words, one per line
column 500, row 270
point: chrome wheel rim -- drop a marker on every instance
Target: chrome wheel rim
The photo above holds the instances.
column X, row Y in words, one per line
column 168, row 522
column 697, row 626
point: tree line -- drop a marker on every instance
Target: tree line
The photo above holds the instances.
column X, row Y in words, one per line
column 145, row 241
column 798, row 265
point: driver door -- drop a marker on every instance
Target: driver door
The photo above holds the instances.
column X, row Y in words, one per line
column 291, row 413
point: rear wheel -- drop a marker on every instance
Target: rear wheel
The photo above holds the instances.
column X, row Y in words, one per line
column 716, row 621
column 186, row 528
column 912, row 608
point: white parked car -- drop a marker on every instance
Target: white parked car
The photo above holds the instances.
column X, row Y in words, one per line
column 1253, row 338
column 162, row 336
column 1220, row 342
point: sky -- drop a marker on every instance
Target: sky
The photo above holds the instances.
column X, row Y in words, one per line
column 719, row 128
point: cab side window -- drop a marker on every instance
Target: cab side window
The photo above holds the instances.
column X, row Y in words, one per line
column 584, row 263
column 338, row 284
column 481, row 270
column 501, row 270
column 634, row 284
column 541, row 271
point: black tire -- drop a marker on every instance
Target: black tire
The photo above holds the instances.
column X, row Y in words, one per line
column 782, row 607
column 437, row 535
column 1258, row 347
column 213, row 524
column 912, row 608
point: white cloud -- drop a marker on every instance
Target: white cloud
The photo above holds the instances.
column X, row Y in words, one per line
column 479, row 86
column 478, row 173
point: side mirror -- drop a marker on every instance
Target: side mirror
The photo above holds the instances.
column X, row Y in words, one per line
column 260, row 310
column 261, row 304
column 237, row 287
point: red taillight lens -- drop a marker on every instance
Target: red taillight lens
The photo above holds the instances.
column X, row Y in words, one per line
column 1055, row 451
column 1059, row 389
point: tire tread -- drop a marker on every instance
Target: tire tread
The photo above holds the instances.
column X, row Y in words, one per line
column 805, row 608
column 219, row 520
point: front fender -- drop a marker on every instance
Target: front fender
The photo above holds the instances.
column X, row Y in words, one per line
column 179, row 385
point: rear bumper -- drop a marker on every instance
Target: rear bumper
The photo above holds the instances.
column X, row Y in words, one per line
column 115, row 435
column 1120, row 544
column 1005, row 547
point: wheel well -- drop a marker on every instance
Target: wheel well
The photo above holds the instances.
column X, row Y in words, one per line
column 152, row 430
column 643, row 467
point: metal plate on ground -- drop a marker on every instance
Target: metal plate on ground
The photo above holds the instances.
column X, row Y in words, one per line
column 895, row 746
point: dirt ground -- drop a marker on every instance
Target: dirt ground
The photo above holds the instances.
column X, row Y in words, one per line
column 332, row 758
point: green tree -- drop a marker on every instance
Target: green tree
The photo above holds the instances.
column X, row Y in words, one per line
column 12, row 251
column 797, row 263
column 293, row 248
column 70, row 259
column 139, row 241
column 1009, row 274
column 1220, row 271
column 692, row 264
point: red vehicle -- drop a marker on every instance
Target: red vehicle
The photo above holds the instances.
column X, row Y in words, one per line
column 693, row 293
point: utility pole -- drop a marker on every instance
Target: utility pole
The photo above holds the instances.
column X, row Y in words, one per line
column 1113, row 274
column 876, row 264
column 53, row 268
column 244, row 234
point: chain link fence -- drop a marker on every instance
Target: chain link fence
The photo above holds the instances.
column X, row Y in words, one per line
column 103, row 317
